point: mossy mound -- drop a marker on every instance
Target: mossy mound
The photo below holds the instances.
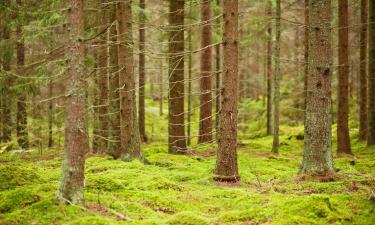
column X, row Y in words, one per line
column 187, row 218
column 12, row 176
column 92, row 220
column 17, row 199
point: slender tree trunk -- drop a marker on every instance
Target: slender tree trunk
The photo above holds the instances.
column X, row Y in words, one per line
column 276, row 99
column 50, row 114
column 306, row 56
column 76, row 138
column 102, row 79
column 142, row 72
column 130, row 137
column 363, row 72
column 269, row 71
column 371, row 75
column 226, row 164
column 161, row 87
column 218, row 78
column 21, row 125
column 6, row 94
column 114, row 97
column 317, row 156
column 190, row 72
column 343, row 138
column 205, row 116
column 177, row 140
column 95, row 103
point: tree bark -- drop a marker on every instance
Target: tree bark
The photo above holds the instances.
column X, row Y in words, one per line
column 277, row 77
column 76, row 138
column 205, row 116
column 190, row 76
column 218, row 79
column 363, row 72
column 142, row 72
column 269, row 71
column 114, row 97
column 130, row 137
column 176, row 140
column 226, row 164
column 50, row 114
column 343, row 138
column 371, row 75
column 306, row 56
column 21, row 115
column 317, row 156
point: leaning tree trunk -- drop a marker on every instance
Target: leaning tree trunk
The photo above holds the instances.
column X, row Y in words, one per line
column 205, row 116
column 317, row 156
column 269, row 71
column 176, row 123
column 130, row 137
column 114, row 97
column 363, row 72
column 276, row 98
column 226, row 164
column 371, row 75
column 21, row 122
column 76, row 138
column 142, row 72
column 343, row 138
column 102, row 82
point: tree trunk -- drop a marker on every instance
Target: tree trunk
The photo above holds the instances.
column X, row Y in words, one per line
column 141, row 110
column 371, row 75
column 102, row 78
column 177, row 140
column 76, row 138
column 205, row 116
column 161, row 87
column 343, row 138
column 363, row 72
column 21, row 122
column 218, row 79
column 306, row 56
column 130, row 137
column 190, row 73
column 269, row 71
column 276, row 99
column 50, row 114
column 226, row 164
column 317, row 156
column 114, row 97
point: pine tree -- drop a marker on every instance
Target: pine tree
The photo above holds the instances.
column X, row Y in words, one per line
column 371, row 74
column 226, row 163
column 269, row 71
column 142, row 33
column 76, row 138
column 363, row 72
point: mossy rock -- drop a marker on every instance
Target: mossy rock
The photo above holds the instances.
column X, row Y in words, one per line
column 187, row 218
column 12, row 176
column 18, row 198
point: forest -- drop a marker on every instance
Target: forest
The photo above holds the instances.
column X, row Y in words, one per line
column 187, row 112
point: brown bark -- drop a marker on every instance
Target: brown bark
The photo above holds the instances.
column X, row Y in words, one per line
column 161, row 88
column 218, row 80
column 277, row 77
column 205, row 116
column 190, row 73
column 363, row 72
column 142, row 72
column 130, row 137
column 269, row 71
column 176, row 131
column 317, row 156
column 76, row 138
column 371, row 74
column 50, row 114
column 343, row 138
column 21, row 115
column 306, row 56
column 226, row 164
column 102, row 84
column 114, row 97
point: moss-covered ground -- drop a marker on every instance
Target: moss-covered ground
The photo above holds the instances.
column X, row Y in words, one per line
column 177, row 189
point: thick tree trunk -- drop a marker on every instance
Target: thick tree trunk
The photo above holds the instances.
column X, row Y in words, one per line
column 177, row 140
column 343, row 138
column 269, row 71
column 371, row 75
column 226, row 164
column 142, row 72
column 76, row 138
column 114, row 97
column 102, row 81
column 130, row 137
column 317, row 156
column 363, row 72
column 21, row 122
column 205, row 116
column 276, row 98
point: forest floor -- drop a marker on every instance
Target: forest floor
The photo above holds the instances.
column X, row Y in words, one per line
column 179, row 190
column 176, row 189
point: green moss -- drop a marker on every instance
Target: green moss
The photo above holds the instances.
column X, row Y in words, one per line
column 187, row 218
column 12, row 176
column 19, row 198
column 92, row 220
